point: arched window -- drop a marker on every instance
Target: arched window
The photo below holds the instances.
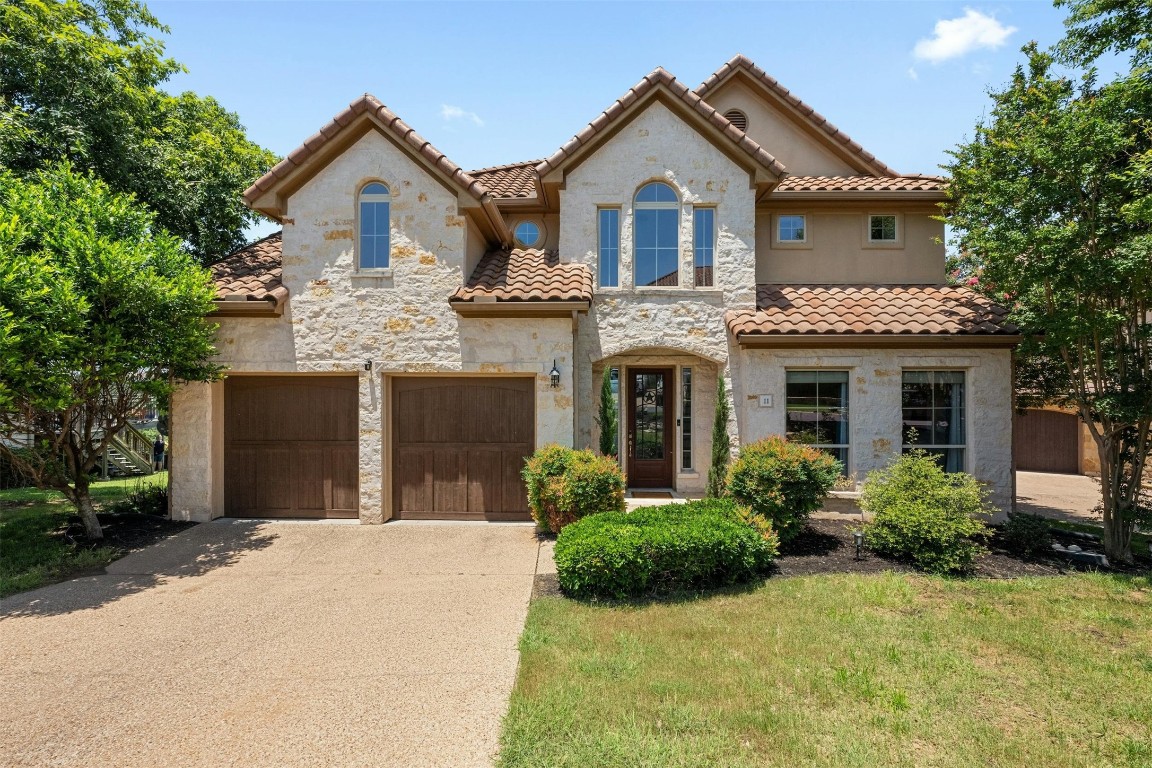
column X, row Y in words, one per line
column 657, row 236
column 375, row 239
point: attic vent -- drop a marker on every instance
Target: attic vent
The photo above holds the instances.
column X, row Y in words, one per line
column 737, row 118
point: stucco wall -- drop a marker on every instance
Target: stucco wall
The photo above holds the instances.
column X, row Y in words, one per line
column 658, row 145
column 837, row 248
column 801, row 154
column 874, row 404
column 400, row 319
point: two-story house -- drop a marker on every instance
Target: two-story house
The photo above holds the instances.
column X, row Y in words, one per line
column 416, row 330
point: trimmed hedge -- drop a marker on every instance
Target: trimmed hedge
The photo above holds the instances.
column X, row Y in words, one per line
column 669, row 548
column 925, row 515
column 565, row 485
column 783, row 482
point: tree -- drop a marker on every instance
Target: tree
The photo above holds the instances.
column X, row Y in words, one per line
column 721, row 443
column 79, row 83
column 609, row 424
column 99, row 310
column 1049, row 203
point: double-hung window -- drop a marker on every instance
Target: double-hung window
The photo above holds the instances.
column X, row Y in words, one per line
column 608, row 225
column 817, row 411
column 934, row 418
column 704, row 244
column 375, row 237
column 656, row 257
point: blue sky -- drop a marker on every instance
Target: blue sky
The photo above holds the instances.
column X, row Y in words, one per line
column 490, row 82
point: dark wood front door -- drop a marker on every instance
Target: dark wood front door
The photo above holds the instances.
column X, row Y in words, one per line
column 650, row 446
column 458, row 445
column 291, row 446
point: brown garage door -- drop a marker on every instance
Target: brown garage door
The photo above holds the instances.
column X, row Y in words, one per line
column 458, row 446
column 290, row 446
column 1046, row 441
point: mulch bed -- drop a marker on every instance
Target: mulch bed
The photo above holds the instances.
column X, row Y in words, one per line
column 126, row 532
column 827, row 546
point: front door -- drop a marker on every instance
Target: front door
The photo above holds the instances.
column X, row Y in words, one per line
column 650, row 406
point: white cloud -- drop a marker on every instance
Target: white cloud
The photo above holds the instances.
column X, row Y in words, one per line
column 913, row 74
column 956, row 37
column 451, row 113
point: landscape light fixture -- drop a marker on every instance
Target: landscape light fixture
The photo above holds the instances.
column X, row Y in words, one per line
column 858, row 537
column 554, row 375
column 367, row 365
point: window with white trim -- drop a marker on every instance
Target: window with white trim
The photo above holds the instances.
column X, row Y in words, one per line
column 656, row 236
column 934, row 415
column 882, row 228
column 375, row 241
column 704, row 245
column 608, row 225
column 686, row 418
column 792, row 228
column 817, row 411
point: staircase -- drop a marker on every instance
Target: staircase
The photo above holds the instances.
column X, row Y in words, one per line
column 129, row 453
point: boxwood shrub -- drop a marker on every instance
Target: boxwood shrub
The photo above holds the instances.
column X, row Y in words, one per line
column 925, row 515
column 565, row 485
column 663, row 549
column 783, row 482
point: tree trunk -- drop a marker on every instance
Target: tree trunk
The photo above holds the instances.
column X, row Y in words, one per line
column 1117, row 538
column 83, row 502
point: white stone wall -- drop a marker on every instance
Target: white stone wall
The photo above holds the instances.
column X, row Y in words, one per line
column 401, row 319
column 658, row 145
column 874, row 403
column 196, row 452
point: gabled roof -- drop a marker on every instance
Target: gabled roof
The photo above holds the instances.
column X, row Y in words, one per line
column 661, row 84
column 780, row 97
column 869, row 313
column 250, row 280
column 525, row 275
column 269, row 192
column 514, row 180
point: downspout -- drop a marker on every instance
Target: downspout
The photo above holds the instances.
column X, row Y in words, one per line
column 575, row 387
column 496, row 219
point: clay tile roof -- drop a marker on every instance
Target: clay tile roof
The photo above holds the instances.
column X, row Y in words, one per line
column 509, row 181
column 742, row 62
column 253, row 272
column 526, row 274
column 366, row 104
column 904, row 183
column 869, row 309
column 659, row 77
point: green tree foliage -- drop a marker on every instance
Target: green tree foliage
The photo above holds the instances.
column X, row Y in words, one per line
column 607, row 418
column 1096, row 27
column 1050, row 203
column 79, row 83
column 99, row 312
column 721, row 443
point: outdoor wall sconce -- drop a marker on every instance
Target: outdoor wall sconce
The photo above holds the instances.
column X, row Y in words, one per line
column 368, row 365
column 554, row 375
column 858, row 537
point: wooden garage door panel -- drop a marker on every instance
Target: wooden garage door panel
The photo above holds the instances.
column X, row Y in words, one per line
column 1047, row 441
column 290, row 446
column 459, row 445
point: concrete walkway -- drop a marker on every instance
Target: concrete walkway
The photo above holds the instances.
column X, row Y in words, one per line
column 273, row 644
column 1061, row 497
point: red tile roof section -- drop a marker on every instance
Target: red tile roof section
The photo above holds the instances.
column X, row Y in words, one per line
column 740, row 61
column 905, row 183
column 527, row 274
column 366, row 104
column 509, row 181
column 869, row 309
column 662, row 77
column 254, row 272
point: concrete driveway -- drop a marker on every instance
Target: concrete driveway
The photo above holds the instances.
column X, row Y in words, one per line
column 277, row 644
column 1072, row 498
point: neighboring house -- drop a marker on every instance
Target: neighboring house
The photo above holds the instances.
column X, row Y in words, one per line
column 417, row 329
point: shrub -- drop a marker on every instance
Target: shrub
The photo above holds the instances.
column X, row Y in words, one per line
column 607, row 419
column 565, row 485
column 721, row 443
column 144, row 500
column 924, row 515
column 1026, row 535
column 783, row 482
column 661, row 549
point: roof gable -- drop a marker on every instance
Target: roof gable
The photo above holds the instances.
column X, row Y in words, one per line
column 663, row 87
column 742, row 69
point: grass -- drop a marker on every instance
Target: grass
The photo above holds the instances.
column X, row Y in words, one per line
column 33, row 548
column 845, row 670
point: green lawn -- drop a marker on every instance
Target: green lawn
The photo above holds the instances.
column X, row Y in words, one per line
column 33, row 549
column 852, row 670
